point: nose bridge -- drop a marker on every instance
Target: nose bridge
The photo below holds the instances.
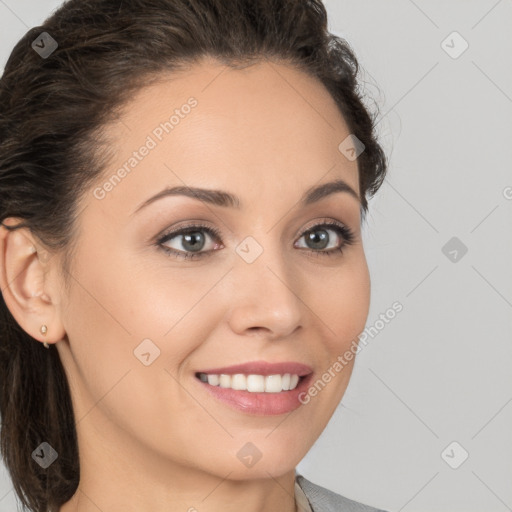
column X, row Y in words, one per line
column 266, row 289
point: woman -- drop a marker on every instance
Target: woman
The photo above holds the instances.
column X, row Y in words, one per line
column 183, row 185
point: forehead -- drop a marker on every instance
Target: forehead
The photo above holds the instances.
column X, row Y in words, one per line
column 268, row 128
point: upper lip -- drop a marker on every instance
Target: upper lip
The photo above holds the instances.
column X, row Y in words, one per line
column 262, row 368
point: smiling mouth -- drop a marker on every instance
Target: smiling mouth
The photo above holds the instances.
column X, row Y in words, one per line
column 252, row 382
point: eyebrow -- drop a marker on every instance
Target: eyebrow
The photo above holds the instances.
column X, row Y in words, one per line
column 228, row 200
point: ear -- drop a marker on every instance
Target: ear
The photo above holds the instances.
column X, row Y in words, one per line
column 28, row 287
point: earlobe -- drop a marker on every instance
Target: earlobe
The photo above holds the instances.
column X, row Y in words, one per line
column 24, row 278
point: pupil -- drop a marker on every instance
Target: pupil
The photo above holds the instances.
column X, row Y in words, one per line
column 319, row 240
column 194, row 239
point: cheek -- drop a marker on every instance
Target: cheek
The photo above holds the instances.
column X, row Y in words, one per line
column 122, row 309
column 111, row 309
column 343, row 301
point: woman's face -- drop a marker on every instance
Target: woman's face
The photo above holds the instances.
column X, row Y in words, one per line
column 149, row 310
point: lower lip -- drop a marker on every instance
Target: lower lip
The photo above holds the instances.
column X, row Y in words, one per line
column 260, row 403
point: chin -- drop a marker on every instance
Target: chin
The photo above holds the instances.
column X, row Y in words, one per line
column 264, row 457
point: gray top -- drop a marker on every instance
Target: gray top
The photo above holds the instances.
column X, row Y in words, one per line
column 323, row 500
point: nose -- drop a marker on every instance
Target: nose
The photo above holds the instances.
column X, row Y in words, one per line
column 266, row 297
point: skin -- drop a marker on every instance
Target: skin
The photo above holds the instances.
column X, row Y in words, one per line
column 150, row 437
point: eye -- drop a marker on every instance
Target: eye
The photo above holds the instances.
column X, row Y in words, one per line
column 190, row 238
column 319, row 239
column 189, row 242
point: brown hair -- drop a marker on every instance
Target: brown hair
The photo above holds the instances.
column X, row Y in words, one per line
column 52, row 110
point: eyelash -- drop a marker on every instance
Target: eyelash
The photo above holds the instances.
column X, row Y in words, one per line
column 345, row 232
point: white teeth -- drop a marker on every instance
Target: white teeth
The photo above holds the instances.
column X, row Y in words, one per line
column 273, row 383
column 253, row 383
column 225, row 381
column 238, row 381
column 213, row 380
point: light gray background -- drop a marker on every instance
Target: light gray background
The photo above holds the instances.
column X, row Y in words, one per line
column 440, row 371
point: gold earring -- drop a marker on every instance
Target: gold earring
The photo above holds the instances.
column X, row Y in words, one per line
column 44, row 330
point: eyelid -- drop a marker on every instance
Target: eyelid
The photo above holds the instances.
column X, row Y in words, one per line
column 190, row 227
column 321, row 222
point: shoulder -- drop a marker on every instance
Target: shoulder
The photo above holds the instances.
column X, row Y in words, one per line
column 324, row 500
